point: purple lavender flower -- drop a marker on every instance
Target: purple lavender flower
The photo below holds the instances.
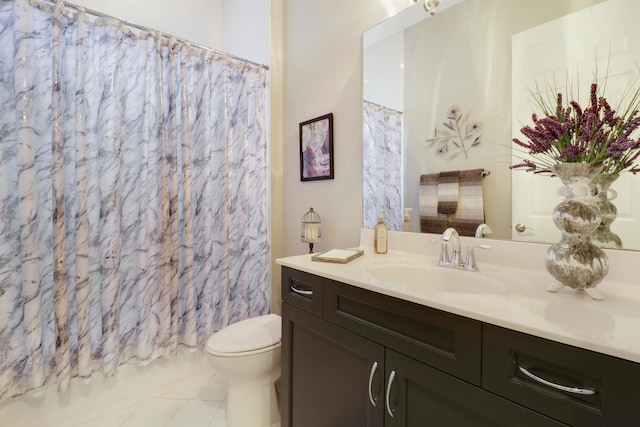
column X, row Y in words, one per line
column 596, row 134
column 618, row 148
column 525, row 164
column 570, row 153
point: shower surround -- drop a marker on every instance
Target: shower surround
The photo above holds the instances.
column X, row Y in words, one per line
column 133, row 204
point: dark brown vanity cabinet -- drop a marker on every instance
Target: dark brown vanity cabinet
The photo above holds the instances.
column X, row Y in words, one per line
column 352, row 357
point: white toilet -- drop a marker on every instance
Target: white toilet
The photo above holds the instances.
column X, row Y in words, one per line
column 247, row 354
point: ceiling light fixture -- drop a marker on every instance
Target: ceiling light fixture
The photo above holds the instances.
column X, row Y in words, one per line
column 429, row 5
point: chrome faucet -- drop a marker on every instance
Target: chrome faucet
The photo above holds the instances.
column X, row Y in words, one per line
column 449, row 234
column 482, row 230
column 455, row 260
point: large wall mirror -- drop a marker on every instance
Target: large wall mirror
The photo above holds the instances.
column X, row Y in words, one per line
column 478, row 60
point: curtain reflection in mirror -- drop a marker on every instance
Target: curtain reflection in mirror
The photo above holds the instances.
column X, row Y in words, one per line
column 382, row 165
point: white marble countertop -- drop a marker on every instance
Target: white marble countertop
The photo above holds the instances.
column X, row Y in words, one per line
column 520, row 303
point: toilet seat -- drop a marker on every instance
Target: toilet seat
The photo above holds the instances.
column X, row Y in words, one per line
column 250, row 336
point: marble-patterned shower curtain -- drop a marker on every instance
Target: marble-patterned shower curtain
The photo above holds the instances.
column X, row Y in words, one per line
column 133, row 195
column 382, row 165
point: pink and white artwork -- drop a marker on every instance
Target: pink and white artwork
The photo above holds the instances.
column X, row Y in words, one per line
column 316, row 148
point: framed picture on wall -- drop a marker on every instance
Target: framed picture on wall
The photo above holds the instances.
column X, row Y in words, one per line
column 316, row 148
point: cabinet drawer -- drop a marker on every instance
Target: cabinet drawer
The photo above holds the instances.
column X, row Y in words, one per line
column 302, row 290
column 572, row 385
column 423, row 396
column 445, row 341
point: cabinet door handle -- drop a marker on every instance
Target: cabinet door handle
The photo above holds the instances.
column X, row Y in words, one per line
column 574, row 390
column 392, row 376
column 374, row 368
column 300, row 291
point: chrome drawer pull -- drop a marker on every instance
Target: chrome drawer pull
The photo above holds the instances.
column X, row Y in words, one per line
column 374, row 368
column 392, row 376
column 300, row 291
column 574, row 390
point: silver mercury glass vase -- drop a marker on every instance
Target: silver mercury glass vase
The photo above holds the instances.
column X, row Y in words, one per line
column 575, row 261
column 603, row 236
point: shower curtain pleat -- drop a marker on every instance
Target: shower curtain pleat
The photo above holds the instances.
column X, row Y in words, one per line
column 220, row 199
column 188, row 297
column 81, row 339
column 34, row 202
column 237, row 211
column 134, row 204
column 149, row 232
column 256, row 127
column 61, row 306
column 202, row 185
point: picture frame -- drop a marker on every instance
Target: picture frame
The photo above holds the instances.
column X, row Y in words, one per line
column 316, row 148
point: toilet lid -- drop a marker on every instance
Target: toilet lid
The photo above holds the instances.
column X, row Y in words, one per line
column 246, row 335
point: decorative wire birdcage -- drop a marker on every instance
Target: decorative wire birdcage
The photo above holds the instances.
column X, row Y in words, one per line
column 310, row 231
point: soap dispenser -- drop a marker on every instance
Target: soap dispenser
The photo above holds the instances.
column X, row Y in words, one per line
column 380, row 242
column 406, row 224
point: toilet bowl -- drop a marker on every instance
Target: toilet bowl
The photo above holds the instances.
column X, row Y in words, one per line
column 247, row 354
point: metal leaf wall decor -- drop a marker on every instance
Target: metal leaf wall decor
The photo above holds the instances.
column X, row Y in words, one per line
column 457, row 136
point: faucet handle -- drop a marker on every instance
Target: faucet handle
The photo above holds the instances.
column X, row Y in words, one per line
column 444, row 253
column 470, row 261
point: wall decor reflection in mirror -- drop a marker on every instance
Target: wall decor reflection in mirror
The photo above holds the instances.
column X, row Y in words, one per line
column 456, row 135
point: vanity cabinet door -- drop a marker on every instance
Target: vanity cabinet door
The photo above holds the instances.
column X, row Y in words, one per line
column 417, row 395
column 331, row 377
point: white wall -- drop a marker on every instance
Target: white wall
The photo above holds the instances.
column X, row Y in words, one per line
column 323, row 74
column 238, row 27
column 199, row 21
column 383, row 64
column 276, row 110
column 248, row 36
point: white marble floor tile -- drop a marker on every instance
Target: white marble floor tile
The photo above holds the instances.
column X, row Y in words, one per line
column 200, row 404
column 114, row 419
column 213, row 388
column 220, row 419
column 173, row 413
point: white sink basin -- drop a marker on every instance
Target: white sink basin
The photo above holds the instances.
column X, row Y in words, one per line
column 430, row 277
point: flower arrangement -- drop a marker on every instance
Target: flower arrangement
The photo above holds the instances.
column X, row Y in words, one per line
column 570, row 134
